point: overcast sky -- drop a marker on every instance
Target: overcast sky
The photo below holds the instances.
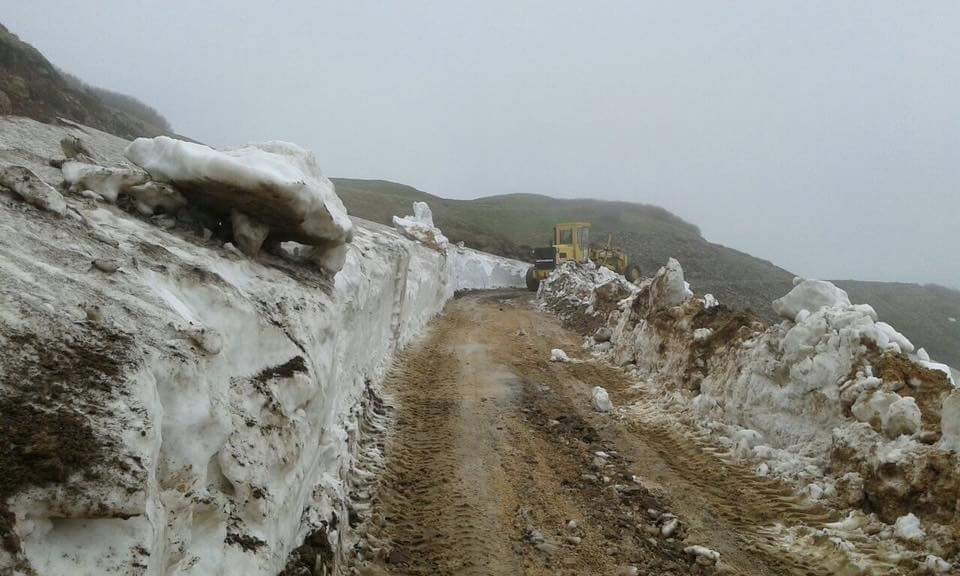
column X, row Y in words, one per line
column 824, row 136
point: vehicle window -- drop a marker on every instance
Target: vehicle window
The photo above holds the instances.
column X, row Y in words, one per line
column 566, row 237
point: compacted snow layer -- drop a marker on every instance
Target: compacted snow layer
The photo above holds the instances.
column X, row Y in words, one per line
column 188, row 410
column 832, row 398
column 277, row 183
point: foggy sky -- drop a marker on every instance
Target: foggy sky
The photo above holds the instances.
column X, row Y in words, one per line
column 821, row 135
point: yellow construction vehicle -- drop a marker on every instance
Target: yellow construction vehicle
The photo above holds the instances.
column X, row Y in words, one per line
column 571, row 241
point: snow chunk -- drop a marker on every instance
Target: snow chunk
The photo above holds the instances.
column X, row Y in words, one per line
column 907, row 528
column 558, row 355
column 600, row 400
column 276, row 183
column 950, row 421
column 702, row 334
column 810, row 295
column 669, row 288
column 420, row 227
column 27, row 185
column 874, row 405
column 703, row 554
column 107, row 182
column 903, row 417
column 936, row 565
column 147, row 198
column 248, row 233
column 710, row 301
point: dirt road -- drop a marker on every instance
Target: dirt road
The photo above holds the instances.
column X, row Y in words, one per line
column 497, row 464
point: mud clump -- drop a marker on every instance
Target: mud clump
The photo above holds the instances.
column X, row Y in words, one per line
column 247, row 542
column 312, row 558
column 293, row 366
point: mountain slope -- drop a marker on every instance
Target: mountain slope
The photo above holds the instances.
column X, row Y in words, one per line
column 31, row 86
column 510, row 224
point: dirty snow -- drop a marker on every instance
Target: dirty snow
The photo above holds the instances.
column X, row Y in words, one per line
column 600, row 400
column 826, row 399
column 558, row 355
column 226, row 430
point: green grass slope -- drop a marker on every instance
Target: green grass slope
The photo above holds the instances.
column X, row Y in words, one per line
column 511, row 224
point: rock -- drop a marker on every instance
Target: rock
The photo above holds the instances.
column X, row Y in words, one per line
column 571, row 525
column 600, row 400
column 574, row 540
column 248, row 233
column 850, row 488
column 107, row 265
column 91, row 195
column 603, row 334
column 107, row 182
column 34, row 191
column 669, row 527
column 903, row 417
column 147, row 198
column 207, row 339
column 74, row 148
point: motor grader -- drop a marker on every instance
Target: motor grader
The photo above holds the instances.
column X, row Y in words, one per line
column 571, row 241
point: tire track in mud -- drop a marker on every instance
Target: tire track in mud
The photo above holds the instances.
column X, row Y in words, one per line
column 425, row 512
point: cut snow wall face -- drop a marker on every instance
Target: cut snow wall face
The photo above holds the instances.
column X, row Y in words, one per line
column 207, row 403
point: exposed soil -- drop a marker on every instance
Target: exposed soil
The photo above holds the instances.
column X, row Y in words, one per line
column 494, row 450
column 51, row 383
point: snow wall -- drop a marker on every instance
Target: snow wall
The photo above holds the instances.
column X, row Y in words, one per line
column 194, row 411
column 831, row 399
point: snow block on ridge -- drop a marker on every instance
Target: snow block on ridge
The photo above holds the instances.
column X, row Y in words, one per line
column 420, row 227
column 276, row 183
column 812, row 296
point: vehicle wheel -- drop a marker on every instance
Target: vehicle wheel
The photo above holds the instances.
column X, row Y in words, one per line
column 532, row 282
column 632, row 273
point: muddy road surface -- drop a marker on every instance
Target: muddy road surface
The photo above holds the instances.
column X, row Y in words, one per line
column 496, row 463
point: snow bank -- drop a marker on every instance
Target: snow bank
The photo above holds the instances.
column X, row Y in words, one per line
column 831, row 398
column 276, row 183
column 206, row 407
column 420, row 227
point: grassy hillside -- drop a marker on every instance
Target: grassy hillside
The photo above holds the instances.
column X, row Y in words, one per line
column 31, row 86
column 510, row 224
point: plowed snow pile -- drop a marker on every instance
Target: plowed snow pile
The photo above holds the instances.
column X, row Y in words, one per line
column 169, row 405
column 831, row 399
